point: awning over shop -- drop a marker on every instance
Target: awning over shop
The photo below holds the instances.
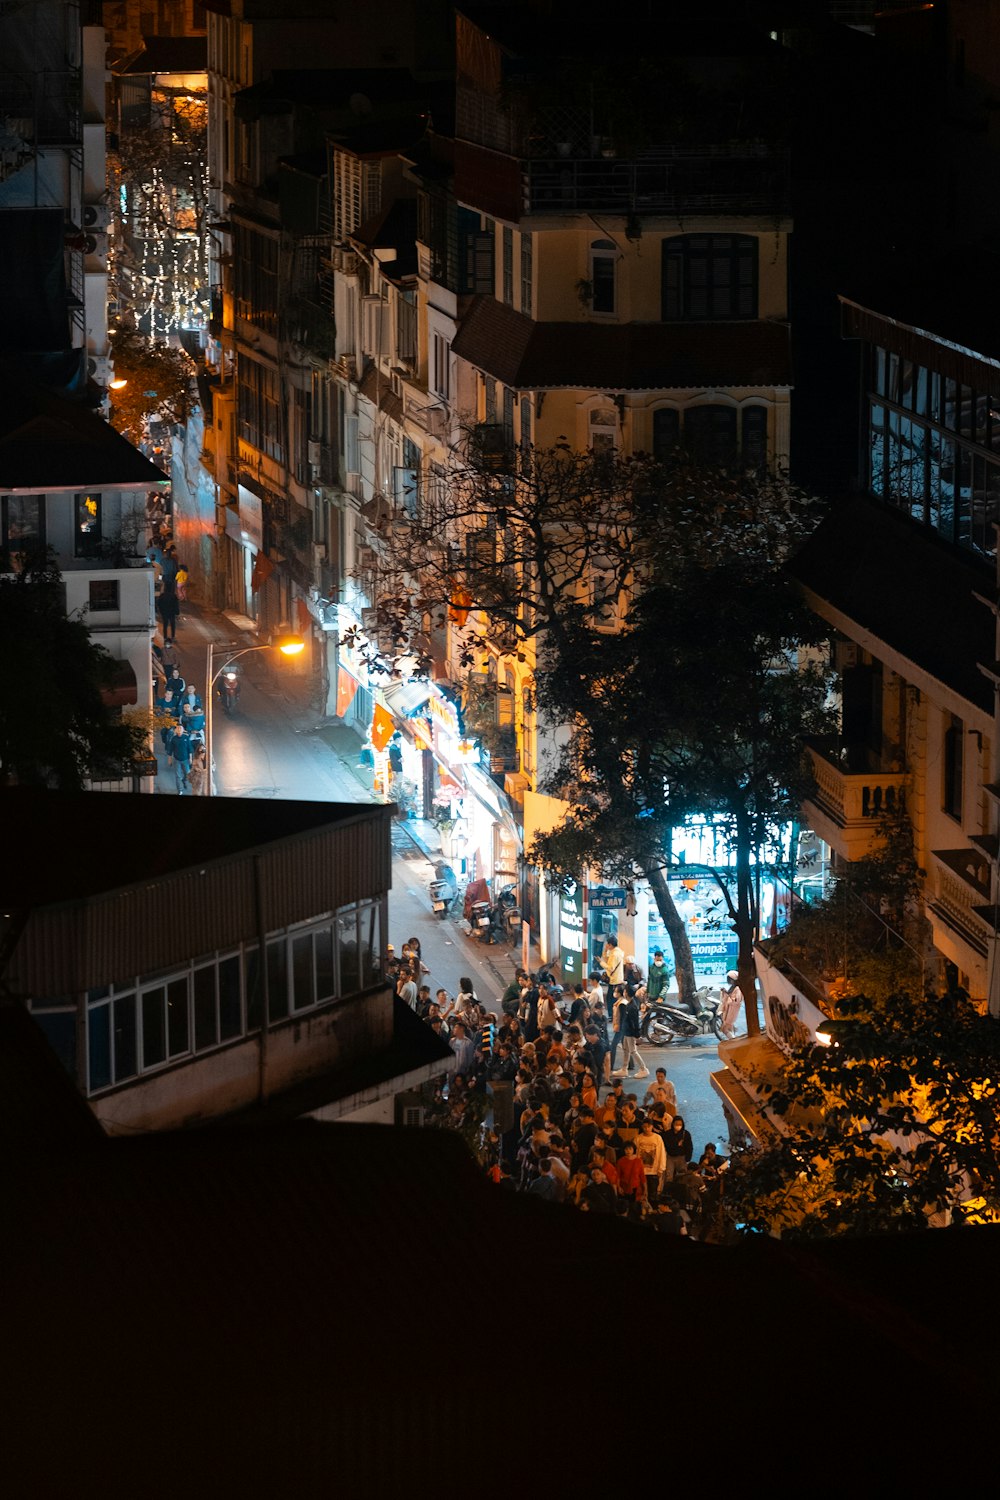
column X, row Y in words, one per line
column 405, row 698
column 122, row 689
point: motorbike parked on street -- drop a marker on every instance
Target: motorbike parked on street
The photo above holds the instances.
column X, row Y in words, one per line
column 443, row 889
column 477, row 909
column 229, row 689
column 505, row 917
column 664, row 1022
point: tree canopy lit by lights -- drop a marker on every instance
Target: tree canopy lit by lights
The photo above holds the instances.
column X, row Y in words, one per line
column 665, row 636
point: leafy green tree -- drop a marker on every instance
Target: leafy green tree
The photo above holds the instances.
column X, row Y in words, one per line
column 662, row 630
column 698, row 705
column 894, row 1125
column 158, row 380
column 55, row 728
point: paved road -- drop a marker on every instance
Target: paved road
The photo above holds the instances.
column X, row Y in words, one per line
column 269, row 749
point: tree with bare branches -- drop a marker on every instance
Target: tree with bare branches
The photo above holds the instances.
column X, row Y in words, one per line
column 664, row 636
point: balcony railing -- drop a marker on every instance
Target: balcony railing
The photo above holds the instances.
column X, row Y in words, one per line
column 723, row 179
column 846, row 806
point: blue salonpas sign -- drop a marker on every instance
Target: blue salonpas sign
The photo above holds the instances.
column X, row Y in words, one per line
column 713, row 951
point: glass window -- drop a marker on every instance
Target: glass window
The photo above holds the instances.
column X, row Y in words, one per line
column 951, row 404
column 666, row 432
column 892, row 378
column 527, row 274
column 178, row 1020
column 525, row 406
column 277, row 980
column 302, row 971
column 371, row 947
column 88, row 525
column 24, row 522
column 941, row 481
column 254, row 988
column 230, row 1007
column 603, row 254
column 934, row 397
column 125, row 1038
column 99, row 1047
column 603, row 431
column 966, row 418
column 507, row 277
column 154, row 1030
column 326, row 975
column 876, row 450
column 710, row 435
column 981, row 407
column 709, row 276
column 906, row 384
column 347, row 950
column 920, row 392
column 878, row 371
column 963, row 496
column 102, row 595
column 206, row 1030
column 754, row 436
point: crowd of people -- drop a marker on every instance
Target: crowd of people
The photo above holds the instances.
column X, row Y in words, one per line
column 565, row 1124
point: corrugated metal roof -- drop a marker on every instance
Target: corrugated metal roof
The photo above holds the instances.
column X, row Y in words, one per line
column 190, row 879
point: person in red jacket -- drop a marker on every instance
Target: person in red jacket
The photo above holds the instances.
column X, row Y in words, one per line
column 631, row 1174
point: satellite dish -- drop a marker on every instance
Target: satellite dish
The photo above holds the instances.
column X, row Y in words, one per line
column 360, row 105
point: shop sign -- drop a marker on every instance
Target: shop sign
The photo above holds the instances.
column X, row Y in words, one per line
column 444, row 713
column 571, row 931
column 252, row 516
column 607, row 898
column 713, row 952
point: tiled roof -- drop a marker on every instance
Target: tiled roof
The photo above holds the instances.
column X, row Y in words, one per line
column 880, row 569
column 47, row 442
column 533, row 356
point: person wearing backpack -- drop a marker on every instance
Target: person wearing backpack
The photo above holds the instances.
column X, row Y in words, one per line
column 630, row 1028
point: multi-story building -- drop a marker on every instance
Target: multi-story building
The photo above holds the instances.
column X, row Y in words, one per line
column 905, row 575
column 54, row 215
column 228, row 960
column 70, row 483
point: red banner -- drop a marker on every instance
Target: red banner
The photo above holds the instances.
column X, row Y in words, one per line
column 347, row 686
column 383, row 727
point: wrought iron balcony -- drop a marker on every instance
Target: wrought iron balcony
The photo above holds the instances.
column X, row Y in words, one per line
column 734, row 179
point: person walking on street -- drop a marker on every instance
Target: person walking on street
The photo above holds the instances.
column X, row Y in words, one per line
column 168, row 607
column 181, row 749
column 198, row 773
column 630, row 1031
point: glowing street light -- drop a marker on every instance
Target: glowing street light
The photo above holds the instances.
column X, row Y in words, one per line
column 288, row 644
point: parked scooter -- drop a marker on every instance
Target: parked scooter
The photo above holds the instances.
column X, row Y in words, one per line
column 443, row 889
column 665, row 1022
column 505, row 917
column 229, row 688
column 477, row 907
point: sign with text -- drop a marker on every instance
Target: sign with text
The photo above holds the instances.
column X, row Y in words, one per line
column 571, row 931
column 607, row 898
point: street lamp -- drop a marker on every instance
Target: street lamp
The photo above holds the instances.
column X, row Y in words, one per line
column 288, row 645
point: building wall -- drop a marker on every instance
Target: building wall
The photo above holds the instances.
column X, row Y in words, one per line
column 231, row 1079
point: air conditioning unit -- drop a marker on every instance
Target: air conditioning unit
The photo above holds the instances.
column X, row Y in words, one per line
column 319, row 553
column 367, row 558
column 352, row 484
column 98, row 369
column 96, row 216
column 95, row 245
column 369, row 620
column 436, row 418
column 315, row 450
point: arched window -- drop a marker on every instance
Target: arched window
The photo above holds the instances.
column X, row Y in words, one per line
column 603, row 254
column 603, row 430
column 710, row 435
column 753, row 437
column 707, row 276
column 666, row 432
